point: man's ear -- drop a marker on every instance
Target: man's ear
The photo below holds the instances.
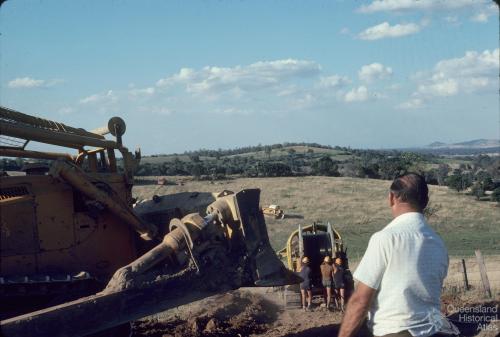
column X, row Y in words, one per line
column 392, row 199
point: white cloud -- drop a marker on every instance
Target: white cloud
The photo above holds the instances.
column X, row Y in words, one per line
column 25, row 82
column 184, row 75
column 446, row 87
column 161, row 110
column 413, row 103
column 232, row 111
column 155, row 109
column 258, row 88
column 385, row 30
column 305, row 101
column 29, row 82
column 416, row 5
column 483, row 14
column 288, row 91
column 393, row 86
column 479, row 17
column 251, row 77
column 471, row 64
column 452, row 19
column 66, row 110
column 333, row 81
column 142, row 92
column 345, row 31
column 357, row 95
column 108, row 97
column 374, row 71
column 474, row 72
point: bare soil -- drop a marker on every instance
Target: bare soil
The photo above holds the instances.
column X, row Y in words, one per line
column 249, row 312
column 260, row 312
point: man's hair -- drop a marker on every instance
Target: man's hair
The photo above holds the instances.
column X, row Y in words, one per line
column 411, row 188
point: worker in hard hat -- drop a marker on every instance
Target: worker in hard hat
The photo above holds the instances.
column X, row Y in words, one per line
column 327, row 280
column 305, row 286
column 338, row 280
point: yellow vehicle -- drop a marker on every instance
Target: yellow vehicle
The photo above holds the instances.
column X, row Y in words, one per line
column 75, row 246
column 314, row 241
column 274, row 211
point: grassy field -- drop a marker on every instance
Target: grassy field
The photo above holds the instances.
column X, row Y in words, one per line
column 357, row 208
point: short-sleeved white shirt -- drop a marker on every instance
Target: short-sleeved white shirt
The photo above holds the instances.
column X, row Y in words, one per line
column 406, row 262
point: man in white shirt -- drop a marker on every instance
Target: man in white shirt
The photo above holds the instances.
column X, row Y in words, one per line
column 402, row 271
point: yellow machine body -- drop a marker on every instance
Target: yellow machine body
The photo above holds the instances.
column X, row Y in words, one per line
column 48, row 230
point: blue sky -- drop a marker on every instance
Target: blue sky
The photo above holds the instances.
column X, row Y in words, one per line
column 220, row 74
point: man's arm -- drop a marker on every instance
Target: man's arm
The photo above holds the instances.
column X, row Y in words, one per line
column 357, row 309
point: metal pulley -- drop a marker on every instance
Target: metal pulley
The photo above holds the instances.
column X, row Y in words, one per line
column 116, row 126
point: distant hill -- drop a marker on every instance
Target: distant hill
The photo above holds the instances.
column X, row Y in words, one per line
column 471, row 144
column 313, row 150
column 275, row 152
column 436, row 144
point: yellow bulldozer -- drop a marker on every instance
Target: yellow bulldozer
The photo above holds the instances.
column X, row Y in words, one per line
column 80, row 257
column 314, row 241
column 274, row 211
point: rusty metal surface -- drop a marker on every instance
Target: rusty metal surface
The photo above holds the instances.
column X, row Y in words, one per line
column 54, row 138
column 74, row 176
column 19, row 238
column 41, row 231
column 13, row 116
column 34, row 154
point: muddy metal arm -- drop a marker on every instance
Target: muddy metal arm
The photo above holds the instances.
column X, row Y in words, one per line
column 201, row 256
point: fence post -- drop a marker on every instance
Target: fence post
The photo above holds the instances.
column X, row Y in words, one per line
column 464, row 272
column 484, row 275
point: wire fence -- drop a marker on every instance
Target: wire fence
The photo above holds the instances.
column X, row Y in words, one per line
column 460, row 279
column 455, row 280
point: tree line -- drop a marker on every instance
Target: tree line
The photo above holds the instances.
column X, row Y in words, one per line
column 479, row 175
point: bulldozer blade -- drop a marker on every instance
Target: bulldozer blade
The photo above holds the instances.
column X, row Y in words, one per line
column 270, row 271
column 273, row 272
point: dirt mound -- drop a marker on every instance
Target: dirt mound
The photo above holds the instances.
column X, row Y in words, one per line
column 232, row 314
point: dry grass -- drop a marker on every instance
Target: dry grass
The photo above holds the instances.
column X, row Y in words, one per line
column 455, row 274
column 357, row 208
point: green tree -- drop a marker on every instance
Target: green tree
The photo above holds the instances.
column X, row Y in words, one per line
column 484, row 179
column 195, row 158
column 495, row 196
column 442, row 173
column 392, row 167
column 459, row 181
column 197, row 170
column 414, row 162
column 268, row 151
column 477, row 190
column 325, row 166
